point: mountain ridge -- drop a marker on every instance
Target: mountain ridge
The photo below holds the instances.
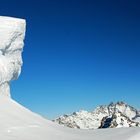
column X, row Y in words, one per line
column 114, row 115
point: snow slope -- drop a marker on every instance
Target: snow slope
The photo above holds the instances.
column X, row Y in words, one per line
column 19, row 123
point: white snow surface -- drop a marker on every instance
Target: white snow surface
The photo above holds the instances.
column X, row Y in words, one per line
column 12, row 32
column 19, row 123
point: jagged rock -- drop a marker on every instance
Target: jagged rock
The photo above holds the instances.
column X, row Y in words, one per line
column 113, row 115
column 118, row 119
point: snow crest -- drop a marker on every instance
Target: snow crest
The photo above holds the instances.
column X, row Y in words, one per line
column 12, row 32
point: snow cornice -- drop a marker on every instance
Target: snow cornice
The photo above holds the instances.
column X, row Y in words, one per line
column 12, row 32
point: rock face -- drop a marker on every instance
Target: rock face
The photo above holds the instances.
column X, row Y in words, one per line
column 12, row 32
column 114, row 115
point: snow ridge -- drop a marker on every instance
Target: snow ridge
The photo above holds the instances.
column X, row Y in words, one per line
column 114, row 115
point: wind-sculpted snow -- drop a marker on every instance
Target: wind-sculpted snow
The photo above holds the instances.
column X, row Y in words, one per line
column 12, row 32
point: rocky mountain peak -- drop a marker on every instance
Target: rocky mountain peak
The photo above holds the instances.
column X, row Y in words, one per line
column 114, row 115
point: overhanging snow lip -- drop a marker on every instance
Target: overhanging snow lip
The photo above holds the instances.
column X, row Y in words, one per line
column 12, row 22
column 8, row 18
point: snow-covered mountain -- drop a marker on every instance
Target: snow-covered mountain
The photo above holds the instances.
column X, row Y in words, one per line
column 113, row 115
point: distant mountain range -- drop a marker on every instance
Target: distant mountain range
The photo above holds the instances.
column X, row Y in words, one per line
column 114, row 115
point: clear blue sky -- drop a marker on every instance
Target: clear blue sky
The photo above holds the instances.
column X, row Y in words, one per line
column 78, row 53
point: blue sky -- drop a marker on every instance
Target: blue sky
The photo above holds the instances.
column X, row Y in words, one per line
column 78, row 54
